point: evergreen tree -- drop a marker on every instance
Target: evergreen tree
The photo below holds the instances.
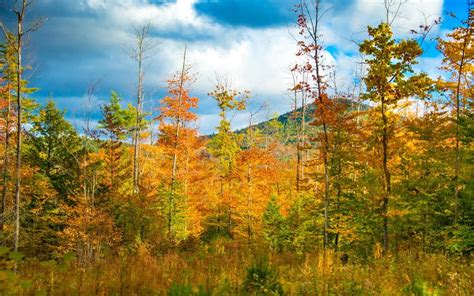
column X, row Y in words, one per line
column 116, row 124
column 55, row 148
column 275, row 229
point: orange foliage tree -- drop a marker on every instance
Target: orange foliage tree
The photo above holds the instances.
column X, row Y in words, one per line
column 179, row 143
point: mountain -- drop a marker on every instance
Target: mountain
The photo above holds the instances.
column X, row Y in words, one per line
column 296, row 115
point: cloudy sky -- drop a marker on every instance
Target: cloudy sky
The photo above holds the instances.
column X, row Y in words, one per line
column 247, row 41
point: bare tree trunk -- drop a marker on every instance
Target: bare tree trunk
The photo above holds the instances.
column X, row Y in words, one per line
column 144, row 49
column 136, row 136
column 20, row 15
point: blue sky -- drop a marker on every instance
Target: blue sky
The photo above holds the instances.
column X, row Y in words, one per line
column 248, row 41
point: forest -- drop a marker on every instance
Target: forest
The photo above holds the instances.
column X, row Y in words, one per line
column 367, row 190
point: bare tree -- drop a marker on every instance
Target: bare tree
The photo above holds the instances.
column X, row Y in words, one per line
column 144, row 48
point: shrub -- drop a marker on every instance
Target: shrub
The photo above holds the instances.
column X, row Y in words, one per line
column 262, row 279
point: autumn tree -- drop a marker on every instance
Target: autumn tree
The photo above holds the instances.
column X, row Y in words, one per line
column 176, row 134
column 310, row 13
column 7, row 65
column 257, row 174
column 343, row 162
column 20, row 9
column 458, row 56
column 390, row 79
column 426, row 181
column 224, row 145
column 51, row 179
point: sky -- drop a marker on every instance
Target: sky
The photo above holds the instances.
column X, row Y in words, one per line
column 250, row 42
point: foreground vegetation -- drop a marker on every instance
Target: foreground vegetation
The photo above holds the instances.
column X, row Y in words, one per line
column 225, row 268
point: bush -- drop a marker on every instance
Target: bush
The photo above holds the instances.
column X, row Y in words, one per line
column 262, row 279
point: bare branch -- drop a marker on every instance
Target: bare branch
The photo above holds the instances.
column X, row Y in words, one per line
column 36, row 25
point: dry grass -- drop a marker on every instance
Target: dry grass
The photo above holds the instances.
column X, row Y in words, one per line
column 220, row 269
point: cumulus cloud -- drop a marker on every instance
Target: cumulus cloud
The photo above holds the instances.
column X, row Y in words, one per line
column 83, row 41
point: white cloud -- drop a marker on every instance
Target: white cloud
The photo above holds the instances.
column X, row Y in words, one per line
column 168, row 16
column 411, row 14
column 254, row 59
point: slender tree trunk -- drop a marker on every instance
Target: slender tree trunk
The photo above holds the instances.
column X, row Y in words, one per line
column 143, row 50
column 320, row 93
column 387, row 177
column 229, row 221
column 303, row 134
column 457, row 168
column 176, row 146
column 339, row 189
column 325, row 155
column 326, row 188
column 19, row 70
column 5, row 173
column 249, row 204
column 298, row 144
column 136, row 137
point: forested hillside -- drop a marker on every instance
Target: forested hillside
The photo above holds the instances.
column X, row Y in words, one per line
column 362, row 191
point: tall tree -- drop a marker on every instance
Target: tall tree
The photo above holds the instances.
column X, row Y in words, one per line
column 7, row 65
column 54, row 147
column 310, row 13
column 145, row 48
column 389, row 79
column 117, row 124
column 20, row 9
column 175, row 117
column 224, row 145
column 458, row 53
